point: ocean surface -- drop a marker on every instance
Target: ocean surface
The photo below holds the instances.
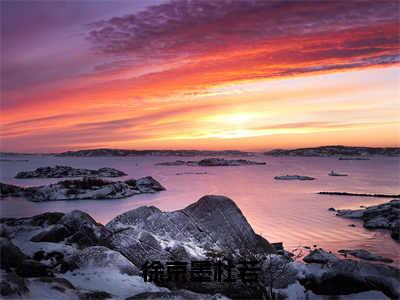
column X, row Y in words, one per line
column 281, row 211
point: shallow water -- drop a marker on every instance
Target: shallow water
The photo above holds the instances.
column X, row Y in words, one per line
column 282, row 211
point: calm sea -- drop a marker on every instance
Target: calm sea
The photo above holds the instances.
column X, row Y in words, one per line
column 282, row 211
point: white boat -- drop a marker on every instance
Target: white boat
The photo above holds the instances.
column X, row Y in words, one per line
column 333, row 173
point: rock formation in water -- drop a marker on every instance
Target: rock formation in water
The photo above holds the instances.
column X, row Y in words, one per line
column 10, row 190
column 365, row 255
column 87, row 188
column 333, row 276
column 293, row 177
column 65, row 171
column 212, row 162
column 382, row 216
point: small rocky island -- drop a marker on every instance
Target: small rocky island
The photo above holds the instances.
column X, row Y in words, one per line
column 293, row 177
column 65, row 171
column 382, row 216
column 87, row 188
column 71, row 256
column 212, row 162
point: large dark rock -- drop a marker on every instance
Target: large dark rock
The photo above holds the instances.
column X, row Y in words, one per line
column 10, row 255
column 213, row 224
column 342, row 277
column 320, row 256
column 11, row 285
column 10, row 190
column 55, row 234
column 45, row 219
column 32, row 268
column 86, row 231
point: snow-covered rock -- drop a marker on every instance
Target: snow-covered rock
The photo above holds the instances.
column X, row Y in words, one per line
column 101, row 269
column 102, row 257
column 65, row 171
column 82, row 259
column 90, row 188
column 212, row 224
column 383, row 216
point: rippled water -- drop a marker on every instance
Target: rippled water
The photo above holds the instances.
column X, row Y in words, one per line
column 282, row 211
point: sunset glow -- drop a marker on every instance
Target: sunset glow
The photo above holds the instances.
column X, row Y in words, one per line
column 249, row 75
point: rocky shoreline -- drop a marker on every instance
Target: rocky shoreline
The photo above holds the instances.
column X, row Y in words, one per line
column 87, row 188
column 71, row 256
column 65, row 171
column 382, row 216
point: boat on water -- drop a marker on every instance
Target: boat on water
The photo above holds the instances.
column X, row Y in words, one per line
column 333, row 173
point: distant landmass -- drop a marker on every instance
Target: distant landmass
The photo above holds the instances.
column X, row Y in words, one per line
column 348, row 152
column 125, row 152
column 337, row 151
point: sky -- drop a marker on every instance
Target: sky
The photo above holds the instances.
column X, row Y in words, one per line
column 234, row 74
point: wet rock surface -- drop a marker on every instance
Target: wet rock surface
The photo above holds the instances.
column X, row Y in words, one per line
column 7, row 190
column 366, row 255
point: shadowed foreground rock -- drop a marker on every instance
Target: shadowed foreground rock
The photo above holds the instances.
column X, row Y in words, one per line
column 346, row 276
column 7, row 190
